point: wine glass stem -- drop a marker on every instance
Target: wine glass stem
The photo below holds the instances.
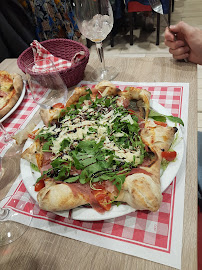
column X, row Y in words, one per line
column 100, row 53
column 1, row 168
column 7, row 136
column 3, row 213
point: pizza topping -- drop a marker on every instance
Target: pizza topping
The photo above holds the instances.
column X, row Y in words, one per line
column 98, row 203
column 39, row 185
column 94, row 141
column 169, row 155
column 138, row 170
column 162, row 118
column 3, row 94
column 58, row 105
column 160, row 123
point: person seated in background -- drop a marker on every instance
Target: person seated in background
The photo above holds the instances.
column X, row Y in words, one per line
column 22, row 21
column 187, row 45
column 52, row 19
column 16, row 29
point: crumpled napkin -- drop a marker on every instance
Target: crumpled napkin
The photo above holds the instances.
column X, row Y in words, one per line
column 40, row 53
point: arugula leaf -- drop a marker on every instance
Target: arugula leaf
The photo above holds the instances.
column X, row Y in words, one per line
column 46, row 146
column 64, row 144
column 63, row 172
column 43, row 136
column 57, row 162
column 34, row 167
column 62, row 112
column 71, row 179
column 119, row 180
column 107, row 102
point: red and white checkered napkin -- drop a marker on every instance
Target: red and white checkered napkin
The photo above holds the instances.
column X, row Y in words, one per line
column 40, row 53
column 153, row 236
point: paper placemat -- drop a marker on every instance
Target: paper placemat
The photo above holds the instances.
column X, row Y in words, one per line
column 153, row 236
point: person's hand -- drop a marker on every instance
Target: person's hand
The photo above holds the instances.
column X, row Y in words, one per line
column 187, row 44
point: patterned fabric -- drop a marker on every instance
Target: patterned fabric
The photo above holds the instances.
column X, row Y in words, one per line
column 52, row 18
column 118, row 7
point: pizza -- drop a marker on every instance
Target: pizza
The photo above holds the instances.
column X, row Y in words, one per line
column 11, row 86
column 100, row 149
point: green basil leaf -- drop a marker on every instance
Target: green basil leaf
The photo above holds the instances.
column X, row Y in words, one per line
column 159, row 118
column 162, row 118
column 154, row 113
column 175, row 119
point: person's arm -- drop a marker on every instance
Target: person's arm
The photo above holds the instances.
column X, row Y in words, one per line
column 187, row 44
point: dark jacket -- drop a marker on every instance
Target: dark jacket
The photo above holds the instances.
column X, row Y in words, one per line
column 16, row 29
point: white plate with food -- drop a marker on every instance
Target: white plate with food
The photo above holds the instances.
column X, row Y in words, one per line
column 17, row 104
column 88, row 214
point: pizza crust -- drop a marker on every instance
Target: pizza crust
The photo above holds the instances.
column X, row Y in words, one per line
column 34, row 154
column 58, row 197
column 13, row 96
column 105, row 88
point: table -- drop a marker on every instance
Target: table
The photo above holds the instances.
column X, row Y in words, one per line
column 38, row 249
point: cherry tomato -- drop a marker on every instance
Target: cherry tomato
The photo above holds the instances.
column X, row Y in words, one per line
column 131, row 111
column 39, row 185
column 160, row 123
column 31, row 136
column 104, row 201
column 94, row 91
column 169, row 155
column 58, row 105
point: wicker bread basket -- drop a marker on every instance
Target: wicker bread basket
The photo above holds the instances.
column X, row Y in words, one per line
column 65, row 49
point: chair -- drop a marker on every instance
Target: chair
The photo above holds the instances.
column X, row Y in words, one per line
column 135, row 6
column 173, row 4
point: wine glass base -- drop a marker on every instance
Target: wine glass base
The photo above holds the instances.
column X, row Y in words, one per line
column 108, row 74
column 10, row 230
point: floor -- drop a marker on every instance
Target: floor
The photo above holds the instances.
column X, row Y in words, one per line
column 189, row 11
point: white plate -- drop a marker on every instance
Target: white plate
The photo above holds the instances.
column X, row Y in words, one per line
column 16, row 105
column 88, row 214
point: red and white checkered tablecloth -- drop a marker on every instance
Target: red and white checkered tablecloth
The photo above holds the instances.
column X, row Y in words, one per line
column 141, row 233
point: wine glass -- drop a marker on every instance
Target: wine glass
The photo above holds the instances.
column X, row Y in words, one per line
column 95, row 21
column 10, row 228
column 12, row 223
column 7, row 139
column 6, row 135
column 46, row 84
